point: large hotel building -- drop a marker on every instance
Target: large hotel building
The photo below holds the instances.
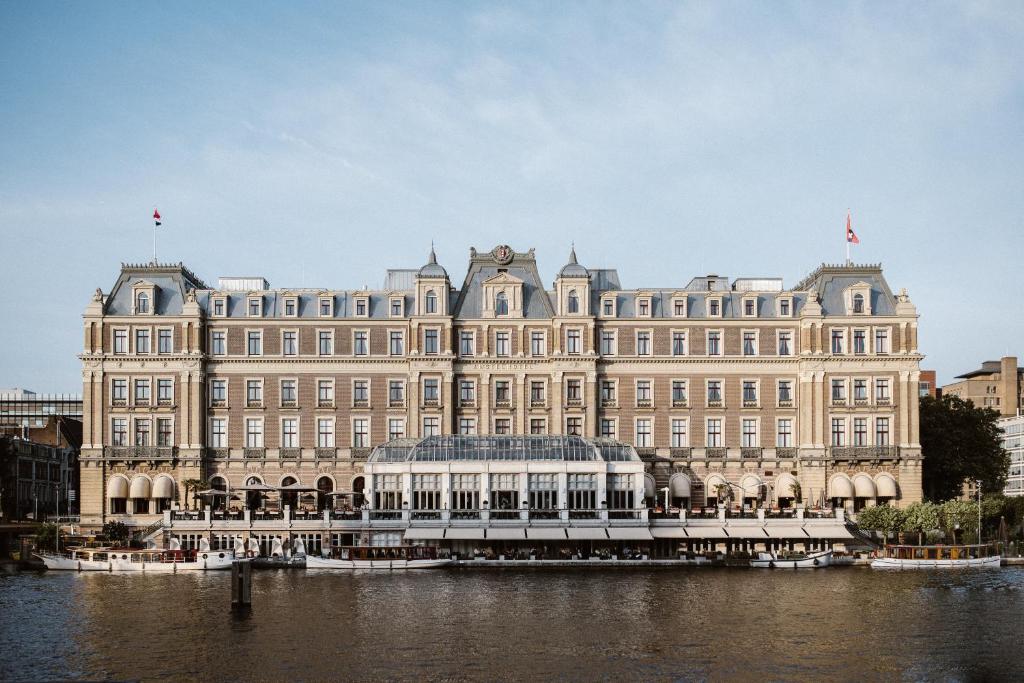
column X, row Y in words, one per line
column 802, row 395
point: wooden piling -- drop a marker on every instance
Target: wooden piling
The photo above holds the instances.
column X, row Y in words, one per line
column 241, row 584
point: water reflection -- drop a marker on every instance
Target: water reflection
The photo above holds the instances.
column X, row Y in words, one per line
column 473, row 624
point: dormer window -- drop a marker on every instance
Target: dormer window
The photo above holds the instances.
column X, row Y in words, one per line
column 785, row 308
column 679, row 307
column 857, row 298
column 749, row 308
column 715, row 308
column 501, row 304
column 255, row 307
column 396, row 308
column 326, row 306
column 643, row 307
column 142, row 302
column 608, row 307
column 291, row 307
column 362, row 307
column 858, row 303
column 219, row 306
column 430, row 302
column 573, row 302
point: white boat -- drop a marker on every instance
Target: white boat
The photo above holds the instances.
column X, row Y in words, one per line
column 117, row 560
column 792, row 560
column 379, row 557
column 937, row 557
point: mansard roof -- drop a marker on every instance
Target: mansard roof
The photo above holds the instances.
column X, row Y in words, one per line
column 485, row 266
column 829, row 282
column 172, row 280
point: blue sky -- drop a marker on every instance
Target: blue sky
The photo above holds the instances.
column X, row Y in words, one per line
column 318, row 144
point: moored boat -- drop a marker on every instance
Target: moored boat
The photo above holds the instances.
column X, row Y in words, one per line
column 120, row 560
column 379, row 557
column 938, row 557
column 792, row 560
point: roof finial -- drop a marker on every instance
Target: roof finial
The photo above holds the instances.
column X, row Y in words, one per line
column 572, row 254
column 433, row 256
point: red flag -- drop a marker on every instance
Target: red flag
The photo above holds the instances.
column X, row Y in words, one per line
column 156, row 217
column 851, row 236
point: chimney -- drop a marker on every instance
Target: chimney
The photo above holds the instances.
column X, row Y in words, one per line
column 1009, row 391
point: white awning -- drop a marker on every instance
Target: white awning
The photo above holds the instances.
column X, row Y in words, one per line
column 830, row 530
column 587, row 533
column 668, row 532
column 784, row 484
column 509, row 534
column 539, row 534
column 117, row 487
column 863, row 486
column 649, row 487
column 710, row 485
column 886, row 486
column 705, row 532
column 466, row 534
column 418, row 533
column 785, row 531
column 840, row 487
column 680, row 485
column 626, row 533
column 140, row 487
column 751, row 485
column 163, row 487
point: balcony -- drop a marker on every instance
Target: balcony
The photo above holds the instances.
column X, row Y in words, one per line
column 165, row 402
column 538, row 403
column 863, row 401
column 644, row 403
column 609, row 403
column 253, row 453
column 290, row 453
column 140, row 452
column 786, row 452
column 715, row 403
column 360, row 403
column 325, row 403
column 679, row 403
column 863, row 452
column 218, row 453
column 254, row 403
column 141, row 401
column 680, row 453
column 838, row 401
column 502, row 403
column 785, row 403
column 360, row 452
column 716, row 453
column 431, row 402
column 396, row 403
column 289, row 403
column 218, row 403
column 646, row 453
column 750, row 403
column 325, row 453
column 883, row 400
column 751, row 452
column 467, row 403
column 574, row 403
column 118, row 402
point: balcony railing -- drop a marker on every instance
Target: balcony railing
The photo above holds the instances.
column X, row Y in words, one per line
column 324, row 453
column 360, row 403
column 325, row 403
column 165, row 401
column 538, row 403
column 254, row 453
column 425, row 514
column 396, row 403
column 140, row 452
column 863, row 452
column 574, row 402
column 679, row 403
column 502, row 403
column 289, row 403
column 118, row 401
column 716, row 453
column 646, row 453
column 346, row 515
column 291, row 453
column 681, row 452
column 254, row 403
column 431, row 402
column 785, row 403
column 218, row 453
column 644, row 403
column 883, row 400
column 218, row 403
column 467, row 403
column 785, row 452
column 609, row 403
column 385, row 514
column 360, row 453
column 863, row 401
column 837, row 401
column 750, row 403
column 715, row 403
column 751, row 452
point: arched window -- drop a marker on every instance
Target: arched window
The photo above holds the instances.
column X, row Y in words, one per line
column 431, row 302
column 142, row 303
column 289, row 498
column 501, row 304
column 253, row 499
column 858, row 303
column 574, row 302
column 219, row 483
column 324, row 487
column 358, row 485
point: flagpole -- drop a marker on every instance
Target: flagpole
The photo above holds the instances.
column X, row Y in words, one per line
column 154, row 243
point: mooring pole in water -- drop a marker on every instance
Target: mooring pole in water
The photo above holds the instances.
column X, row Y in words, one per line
column 241, row 584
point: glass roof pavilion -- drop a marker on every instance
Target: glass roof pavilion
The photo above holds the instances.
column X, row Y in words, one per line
column 506, row 448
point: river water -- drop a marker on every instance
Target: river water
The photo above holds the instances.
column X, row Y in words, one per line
column 499, row 624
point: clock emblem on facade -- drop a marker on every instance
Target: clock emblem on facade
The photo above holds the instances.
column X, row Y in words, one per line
column 502, row 254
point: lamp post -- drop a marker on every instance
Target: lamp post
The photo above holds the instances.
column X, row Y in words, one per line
column 665, row 490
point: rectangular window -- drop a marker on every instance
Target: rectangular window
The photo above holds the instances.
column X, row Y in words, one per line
column 360, row 433
column 218, row 343
column 838, row 339
column 467, row 343
column 502, row 347
column 396, row 343
column 749, row 343
column 119, row 432
column 882, row 341
column 574, row 426
column 714, row 308
column 396, row 308
column 467, row 392
column 749, row 393
column 714, row 432
column 325, row 343
column 396, row 428
column 784, row 433
column 431, row 390
column 859, row 342
column 361, row 307
column 839, row 391
column 218, row 307
column 119, row 392
column 431, row 345
column 360, row 343
column 608, row 392
column 142, row 341
column 467, row 426
column 536, row 393
column 218, row 392
column 714, row 392
column 502, row 393
column 574, row 391
column 360, row 393
column 838, row 431
column 253, row 433
column 714, row 343
column 643, row 343
column 537, row 345
column 881, row 391
column 164, row 391
column 607, row 342
column 538, row 425
column 120, row 341
column 255, row 343
column 784, row 308
column 142, row 430
column 860, row 431
column 860, row 390
column 289, row 393
column 644, row 308
column 325, row 307
column 785, row 392
column 678, row 343
column 543, row 489
column 572, row 342
column 679, row 436
column 290, row 343
column 881, row 431
column 218, row 433
column 431, row 426
column 142, row 392
column 255, row 306
column 324, row 433
column 289, row 307
column 679, row 393
column 748, row 433
column 253, row 393
column 643, row 393
column 679, row 308
column 502, row 425
column 581, row 491
column 608, row 428
column 289, row 433
column 749, row 308
column 165, row 341
column 785, row 343
column 325, row 393
column 608, row 307
column 396, row 393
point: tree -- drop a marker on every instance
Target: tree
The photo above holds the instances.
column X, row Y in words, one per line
column 193, row 485
column 960, row 441
column 883, row 518
column 115, row 532
column 723, row 492
column 46, row 537
column 959, row 515
column 921, row 518
column 796, row 490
